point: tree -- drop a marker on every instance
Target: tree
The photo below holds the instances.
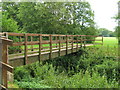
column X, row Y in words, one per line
column 9, row 25
column 52, row 18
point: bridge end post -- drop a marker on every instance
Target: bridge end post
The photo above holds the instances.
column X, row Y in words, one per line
column 4, row 62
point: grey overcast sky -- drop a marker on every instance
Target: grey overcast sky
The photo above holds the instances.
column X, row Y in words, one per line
column 104, row 10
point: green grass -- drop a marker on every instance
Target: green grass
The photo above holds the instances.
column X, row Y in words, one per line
column 111, row 41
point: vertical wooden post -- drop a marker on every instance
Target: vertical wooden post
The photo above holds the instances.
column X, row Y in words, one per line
column 31, row 41
column 84, row 41
column 59, row 45
column 1, row 46
column 102, row 40
column 26, row 49
column 20, row 46
column 66, row 44
column 72, row 42
column 40, row 47
column 77, row 43
column 62, row 40
column 5, row 60
column 56, row 40
column 81, row 41
column 50, row 57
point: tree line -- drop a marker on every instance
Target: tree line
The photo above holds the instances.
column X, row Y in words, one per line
column 48, row 18
column 76, row 18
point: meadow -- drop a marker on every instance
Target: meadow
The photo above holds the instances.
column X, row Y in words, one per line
column 93, row 67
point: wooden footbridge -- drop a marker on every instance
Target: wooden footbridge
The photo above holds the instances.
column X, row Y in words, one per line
column 31, row 48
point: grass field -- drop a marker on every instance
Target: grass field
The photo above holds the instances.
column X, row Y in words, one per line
column 111, row 41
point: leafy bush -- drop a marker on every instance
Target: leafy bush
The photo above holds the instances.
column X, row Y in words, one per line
column 83, row 69
column 21, row 73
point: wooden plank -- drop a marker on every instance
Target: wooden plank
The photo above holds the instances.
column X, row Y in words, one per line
column 77, row 43
column 20, row 40
column 26, row 49
column 7, row 67
column 56, row 40
column 81, row 41
column 40, row 47
column 47, row 35
column 15, row 34
column 4, row 60
column 6, row 41
column 3, row 87
column 50, row 57
column 72, row 42
column 31, row 45
column 1, row 33
column 59, row 46
column 102, row 40
column 66, row 44
column 84, row 41
column 31, row 34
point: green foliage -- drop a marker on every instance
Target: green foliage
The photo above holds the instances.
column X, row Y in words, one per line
column 52, row 17
column 106, row 33
column 88, row 68
column 21, row 73
column 8, row 24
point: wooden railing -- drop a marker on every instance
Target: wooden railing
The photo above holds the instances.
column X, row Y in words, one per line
column 48, row 43
column 44, row 43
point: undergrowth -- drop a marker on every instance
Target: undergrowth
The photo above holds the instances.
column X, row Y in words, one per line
column 93, row 67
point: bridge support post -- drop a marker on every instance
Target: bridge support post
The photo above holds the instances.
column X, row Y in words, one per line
column 102, row 40
column 26, row 49
column 40, row 47
column 31, row 41
column 50, row 56
column 4, row 62
column 81, row 41
column 66, row 44
column 59, row 45
column 72, row 43
column 84, row 41
column 77, row 43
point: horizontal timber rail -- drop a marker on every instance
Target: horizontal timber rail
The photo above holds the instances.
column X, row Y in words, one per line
column 28, row 48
